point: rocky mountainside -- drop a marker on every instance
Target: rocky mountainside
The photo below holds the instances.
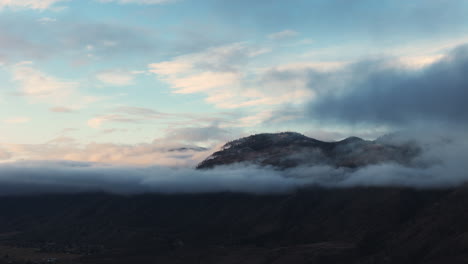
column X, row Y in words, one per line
column 290, row 149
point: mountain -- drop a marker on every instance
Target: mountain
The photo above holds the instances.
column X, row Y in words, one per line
column 290, row 149
column 312, row 224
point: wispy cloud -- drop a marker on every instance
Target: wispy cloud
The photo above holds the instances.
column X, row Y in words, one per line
column 130, row 114
column 204, row 81
column 116, row 77
column 4, row 155
column 140, row 2
column 115, row 118
column 227, row 78
column 41, row 87
column 165, row 152
column 37, row 84
column 32, row 4
column 61, row 109
column 17, row 120
column 285, row 34
column 45, row 20
column 173, row 121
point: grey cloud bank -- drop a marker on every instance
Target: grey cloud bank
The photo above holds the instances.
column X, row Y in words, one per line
column 378, row 92
column 65, row 177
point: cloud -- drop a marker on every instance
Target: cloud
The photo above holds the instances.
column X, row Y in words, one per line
column 182, row 145
column 213, row 69
column 285, row 34
column 203, row 82
column 105, row 40
column 66, row 177
column 384, row 92
column 5, row 155
column 170, row 67
column 140, row 2
column 83, row 41
column 255, row 118
column 418, row 62
column 164, row 152
column 98, row 121
column 225, row 58
column 45, row 20
column 17, row 120
column 31, row 4
column 174, row 121
column 113, row 130
column 14, row 45
column 129, row 114
column 442, row 164
column 116, row 77
column 226, row 76
column 140, row 111
column 39, row 85
column 61, row 109
column 28, row 37
column 347, row 20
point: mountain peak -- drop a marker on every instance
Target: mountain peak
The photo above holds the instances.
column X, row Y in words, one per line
column 290, row 149
column 351, row 140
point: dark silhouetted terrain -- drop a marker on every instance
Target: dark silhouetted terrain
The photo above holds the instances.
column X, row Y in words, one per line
column 359, row 225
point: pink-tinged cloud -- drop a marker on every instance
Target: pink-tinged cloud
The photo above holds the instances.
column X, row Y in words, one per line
column 203, row 82
column 116, row 77
column 144, row 154
column 61, row 109
column 31, row 4
column 226, row 76
column 17, row 120
column 139, row 2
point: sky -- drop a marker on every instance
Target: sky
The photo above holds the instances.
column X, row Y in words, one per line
column 131, row 82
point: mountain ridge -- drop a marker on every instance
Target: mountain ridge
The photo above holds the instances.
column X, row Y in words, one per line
column 291, row 149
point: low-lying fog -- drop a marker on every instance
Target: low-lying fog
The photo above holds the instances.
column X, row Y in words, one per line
column 443, row 163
